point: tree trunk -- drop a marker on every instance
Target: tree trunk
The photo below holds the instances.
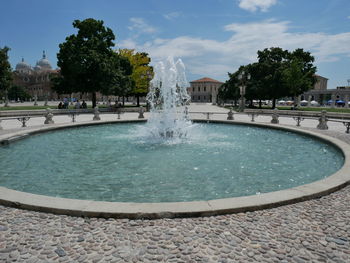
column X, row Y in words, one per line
column 138, row 100
column 260, row 105
column 123, row 101
column 93, row 100
column 273, row 103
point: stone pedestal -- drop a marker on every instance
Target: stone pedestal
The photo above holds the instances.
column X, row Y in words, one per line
column 96, row 114
column 141, row 111
column 322, row 121
column 48, row 117
column 230, row 115
column 275, row 116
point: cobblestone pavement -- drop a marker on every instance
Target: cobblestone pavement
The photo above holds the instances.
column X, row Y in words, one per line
column 312, row 231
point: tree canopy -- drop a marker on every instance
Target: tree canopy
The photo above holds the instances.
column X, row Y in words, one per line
column 5, row 70
column 142, row 72
column 88, row 63
column 18, row 92
column 277, row 73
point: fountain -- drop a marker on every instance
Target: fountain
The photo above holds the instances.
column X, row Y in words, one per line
column 218, row 164
column 168, row 99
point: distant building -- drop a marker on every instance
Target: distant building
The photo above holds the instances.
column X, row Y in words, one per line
column 321, row 83
column 322, row 95
column 36, row 80
column 204, row 90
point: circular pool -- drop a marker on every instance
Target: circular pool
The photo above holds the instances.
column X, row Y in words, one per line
column 113, row 162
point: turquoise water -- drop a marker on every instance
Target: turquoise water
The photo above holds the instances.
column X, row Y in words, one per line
column 115, row 163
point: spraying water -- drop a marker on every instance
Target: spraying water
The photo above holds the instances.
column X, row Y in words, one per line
column 168, row 99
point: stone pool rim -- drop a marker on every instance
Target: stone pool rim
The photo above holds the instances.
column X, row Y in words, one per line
column 88, row 208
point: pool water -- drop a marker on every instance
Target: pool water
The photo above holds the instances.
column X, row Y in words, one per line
column 113, row 162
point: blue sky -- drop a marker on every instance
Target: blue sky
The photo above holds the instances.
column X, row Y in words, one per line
column 212, row 37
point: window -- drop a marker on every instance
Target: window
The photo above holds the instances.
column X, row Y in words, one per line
column 204, row 98
column 199, row 98
column 199, row 89
column 205, row 88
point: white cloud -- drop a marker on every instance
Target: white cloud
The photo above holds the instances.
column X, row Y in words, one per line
column 139, row 25
column 172, row 15
column 215, row 58
column 254, row 5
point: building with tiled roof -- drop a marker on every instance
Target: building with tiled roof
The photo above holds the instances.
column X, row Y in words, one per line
column 204, row 90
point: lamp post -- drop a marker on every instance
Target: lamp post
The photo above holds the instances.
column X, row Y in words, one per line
column 243, row 77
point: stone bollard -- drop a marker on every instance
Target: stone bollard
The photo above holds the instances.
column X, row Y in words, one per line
column 48, row 117
column 96, row 114
column 322, row 121
column 141, row 111
column 275, row 116
column 230, row 114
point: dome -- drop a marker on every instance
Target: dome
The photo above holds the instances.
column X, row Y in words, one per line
column 37, row 68
column 23, row 66
column 43, row 63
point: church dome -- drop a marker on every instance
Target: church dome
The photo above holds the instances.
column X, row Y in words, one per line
column 23, row 66
column 37, row 68
column 43, row 63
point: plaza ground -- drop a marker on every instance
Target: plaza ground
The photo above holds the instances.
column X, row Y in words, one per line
column 317, row 230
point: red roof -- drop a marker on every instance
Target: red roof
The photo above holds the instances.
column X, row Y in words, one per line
column 206, row 80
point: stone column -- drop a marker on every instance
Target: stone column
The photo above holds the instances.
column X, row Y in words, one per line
column 333, row 97
column 309, row 100
column 346, row 100
column 213, row 97
column 298, row 100
column 6, row 99
column 36, row 100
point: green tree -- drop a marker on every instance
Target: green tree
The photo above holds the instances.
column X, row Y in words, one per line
column 18, row 92
column 278, row 73
column 87, row 61
column 230, row 89
column 5, row 71
column 299, row 73
column 296, row 80
column 142, row 72
column 272, row 62
column 124, row 84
